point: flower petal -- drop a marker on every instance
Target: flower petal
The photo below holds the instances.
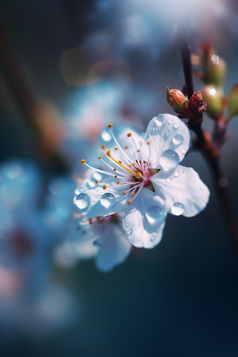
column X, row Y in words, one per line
column 144, row 220
column 95, row 201
column 166, row 132
column 183, row 192
column 114, row 250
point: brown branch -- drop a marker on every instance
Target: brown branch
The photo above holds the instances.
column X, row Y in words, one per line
column 205, row 145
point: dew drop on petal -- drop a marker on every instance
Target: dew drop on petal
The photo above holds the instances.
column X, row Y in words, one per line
column 176, row 173
column 155, row 216
column 169, row 159
column 82, row 202
column 177, row 140
column 106, row 135
column 169, row 180
column 129, row 232
column 176, row 126
column 177, row 209
column 158, row 125
column 96, row 243
column 184, row 170
column 108, row 200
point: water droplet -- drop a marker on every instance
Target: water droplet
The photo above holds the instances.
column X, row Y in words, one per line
column 177, row 209
column 106, row 135
column 165, row 136
column 129, row 232
column 96, row 243
column 155, row 216
column 169, row 180
column 152, row 239
column 82, row 202
column 169, row 159
column 158, row 125
column 177, row 140
column 184, row 170
column 108, row 200
column 176, row 173
column 176, row 126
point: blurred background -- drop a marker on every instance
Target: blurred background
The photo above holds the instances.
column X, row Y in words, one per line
column 67, row 68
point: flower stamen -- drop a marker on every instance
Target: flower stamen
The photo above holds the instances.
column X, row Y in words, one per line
column 138, row 175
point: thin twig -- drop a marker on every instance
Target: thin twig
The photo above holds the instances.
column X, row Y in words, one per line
column 207, row 148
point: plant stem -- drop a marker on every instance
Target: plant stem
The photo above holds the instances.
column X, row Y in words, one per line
column 220, row 182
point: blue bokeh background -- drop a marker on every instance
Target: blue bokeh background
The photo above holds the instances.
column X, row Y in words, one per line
column 179, row 299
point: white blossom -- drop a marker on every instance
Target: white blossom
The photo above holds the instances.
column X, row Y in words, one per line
column 145, row 180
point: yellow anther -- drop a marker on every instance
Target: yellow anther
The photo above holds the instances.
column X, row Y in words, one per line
column 129, row 134
column 96, row 181
column 138, row 150
column 124, row 192
column 118, row 182
column 99, row 157
column 83, row 161
column 133, row 194
column 126, row 147
column 114, row 169
column 103, row 146
column 115, row 176
column 116, row 148
column 110, row 125
column 129, row 202
column 104, row 187
column 136, row 174
column 148, row 142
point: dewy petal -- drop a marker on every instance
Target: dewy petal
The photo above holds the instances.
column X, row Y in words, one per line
column 85, row 249
column 166, row 132
column 144, row 220
column 95, row 206
column 114, row 250
column 184, row 190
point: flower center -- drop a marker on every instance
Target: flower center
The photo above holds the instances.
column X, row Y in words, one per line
column 137, row 175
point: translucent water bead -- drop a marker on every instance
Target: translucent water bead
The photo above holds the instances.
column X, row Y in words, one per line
column 82, row 202
column 108, row 200
column 155, row 216
column 177, row 209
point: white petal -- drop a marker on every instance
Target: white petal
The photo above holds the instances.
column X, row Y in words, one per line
column 85, row 249
column 145, row 219
column 167, row 132
column 114, row 250
column 92, row 204
column 183, row 192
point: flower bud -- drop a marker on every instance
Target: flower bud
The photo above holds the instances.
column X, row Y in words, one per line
column 214, row 67
column 233, row 102
column 176, row 100
column 214, row 99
